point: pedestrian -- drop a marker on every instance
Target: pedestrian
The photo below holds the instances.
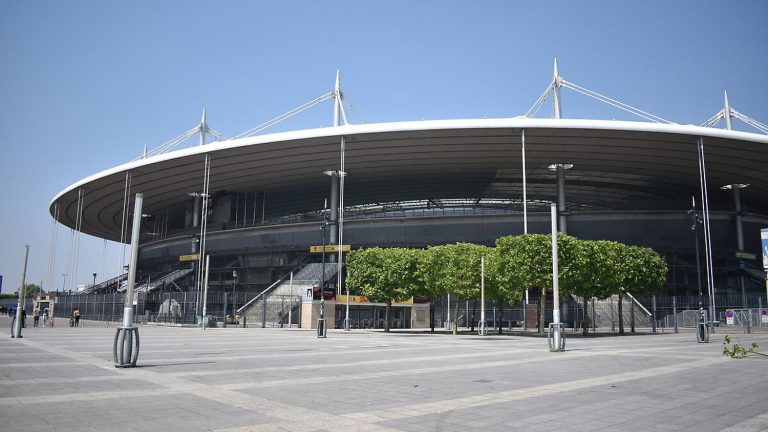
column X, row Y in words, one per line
column 76, row 313
column 46, row 314
column 36, row 316
column 24, row 317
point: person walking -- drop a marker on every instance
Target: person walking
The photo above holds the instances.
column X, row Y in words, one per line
column 46, row 313
column 76, row 313
column 36, row 316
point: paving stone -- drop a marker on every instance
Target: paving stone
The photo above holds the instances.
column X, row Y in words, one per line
column 239, row 380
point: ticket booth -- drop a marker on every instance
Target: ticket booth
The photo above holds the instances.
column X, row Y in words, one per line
column 45, row 301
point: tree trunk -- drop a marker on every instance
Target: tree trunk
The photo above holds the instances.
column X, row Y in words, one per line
column 387, row 315
column 500, row 320
column 584, row 318
column 432, row 315
column 621, row 313
column 474, row 307
column 543, row 305
column 456, row 318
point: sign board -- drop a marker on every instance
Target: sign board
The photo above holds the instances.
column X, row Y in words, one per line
column 729, row 314
column 362, row 299
column 329, row 248
column 764, row 239
column 764, row 316
column 1, row 283
column 191, row 257
column 745, row 255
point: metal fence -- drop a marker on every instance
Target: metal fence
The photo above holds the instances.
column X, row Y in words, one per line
column 183, row 308
column 664, row 313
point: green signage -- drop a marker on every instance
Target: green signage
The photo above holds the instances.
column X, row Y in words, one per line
column 746, row 255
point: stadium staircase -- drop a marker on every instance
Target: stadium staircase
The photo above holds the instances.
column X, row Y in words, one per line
column 153, row 284
column 106, row 286
column 270, row 307
column 607, row 312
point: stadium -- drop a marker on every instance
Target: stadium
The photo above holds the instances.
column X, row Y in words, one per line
column 257, row 204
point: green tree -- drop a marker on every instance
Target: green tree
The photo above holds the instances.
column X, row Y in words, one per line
column 527, row 259
column 464, row 272
column 30, row 290
column 431, row 273
column 645, row 271
column 592, row 267
column 383, row 275
column 499, row 286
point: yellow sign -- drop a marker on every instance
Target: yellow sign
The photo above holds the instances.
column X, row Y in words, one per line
column 192, row 257
column 329, row 248
column 361, row 299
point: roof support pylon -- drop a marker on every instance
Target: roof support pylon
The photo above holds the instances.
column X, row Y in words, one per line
column 338, row 102
column 727, row 111
column 556, row 84
column 203, row 128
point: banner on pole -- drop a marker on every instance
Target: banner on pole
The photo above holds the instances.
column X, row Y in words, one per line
column 764, row 240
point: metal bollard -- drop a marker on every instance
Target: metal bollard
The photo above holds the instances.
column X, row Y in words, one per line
column 125, row 350
column 322, row 331
column 482, row 328
column 556, row 337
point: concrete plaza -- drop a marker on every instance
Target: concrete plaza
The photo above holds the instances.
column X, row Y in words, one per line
column 234, row 379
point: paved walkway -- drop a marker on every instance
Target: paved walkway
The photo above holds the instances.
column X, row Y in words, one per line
column 234, row 379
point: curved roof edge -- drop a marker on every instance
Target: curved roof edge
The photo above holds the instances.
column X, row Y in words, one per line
column 426, row 125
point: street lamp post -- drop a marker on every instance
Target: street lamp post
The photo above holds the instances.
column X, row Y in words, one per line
column 234, row 291
column 701, row 328
column 321, row 329
column 694, row 223
column 556, row 335
column 18, row 321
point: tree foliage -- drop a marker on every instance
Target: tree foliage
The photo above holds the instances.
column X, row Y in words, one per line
column 30, row 290
column 432, row 277
column 526, row 260
column 586, row 269
column 383, row 275
column 594, row 269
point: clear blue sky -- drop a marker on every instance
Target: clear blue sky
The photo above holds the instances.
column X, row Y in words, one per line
column 84, row 85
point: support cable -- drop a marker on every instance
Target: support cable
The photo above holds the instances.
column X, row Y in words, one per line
column 613, row 102
column 69, row 257
column 52, row 251
column 285, row 115
column 342, row 174
column 123, row 225
column 356, row 113
column 540, row 101
column 750, row 121
column 78, row 236
column 707, row 233
column 203, row 229
column 173, row 143
column 715, row 119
